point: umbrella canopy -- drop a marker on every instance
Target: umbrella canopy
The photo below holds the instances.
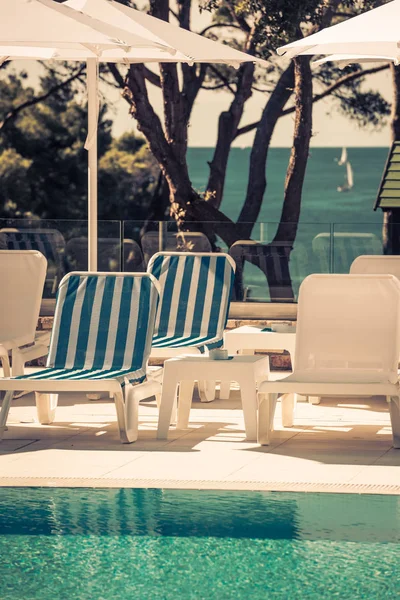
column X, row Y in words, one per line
column 100, row 30
column 375, row 33
column 347, row 59
column 48, row 23
column 196, row 47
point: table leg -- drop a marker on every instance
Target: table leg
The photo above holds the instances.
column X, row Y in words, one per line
column 168, row 399
column 184, row 403
column 248, row 394
column 288, row 402
column 224, row 390
column 266, row 412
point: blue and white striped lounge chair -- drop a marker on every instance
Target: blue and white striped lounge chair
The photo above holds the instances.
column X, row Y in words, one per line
column 194, row 303
column 101, row 341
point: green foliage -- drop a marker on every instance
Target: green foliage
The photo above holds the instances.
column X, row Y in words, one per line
column 43, row 163
column 276, row 22
column 129, row 171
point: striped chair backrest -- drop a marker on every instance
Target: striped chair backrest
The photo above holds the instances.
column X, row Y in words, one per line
column 108, row 255
column 170, row 241
column 50, row 242
column 195, row 293
column 271, row 258
column 103, row 321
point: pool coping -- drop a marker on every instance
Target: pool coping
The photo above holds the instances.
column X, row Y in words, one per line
column 256, row 486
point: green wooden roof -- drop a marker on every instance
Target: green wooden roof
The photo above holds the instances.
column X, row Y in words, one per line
column 389, row 190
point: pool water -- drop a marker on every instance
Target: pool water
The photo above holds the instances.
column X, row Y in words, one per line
column 174, row 544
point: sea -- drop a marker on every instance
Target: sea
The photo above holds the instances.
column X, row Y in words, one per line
column 335, row 226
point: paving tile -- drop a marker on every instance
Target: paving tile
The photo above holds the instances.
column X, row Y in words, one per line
column 272, row 467
column 184, row 464
column 390, row 459
column 66, row 463
column 11, row 445
column 337, row 442
column 378, row 475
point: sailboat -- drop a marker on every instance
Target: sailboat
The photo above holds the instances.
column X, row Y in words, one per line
column 343, row 159
column 349, row 179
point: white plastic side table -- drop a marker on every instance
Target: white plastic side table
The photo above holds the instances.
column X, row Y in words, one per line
column 252, row 338
column 247, row 339
column 247, row 371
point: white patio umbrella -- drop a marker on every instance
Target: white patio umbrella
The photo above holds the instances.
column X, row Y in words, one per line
column 347, row 59
column 373, row 33
column 136, row 37
column 195, row 47
column 50, row 24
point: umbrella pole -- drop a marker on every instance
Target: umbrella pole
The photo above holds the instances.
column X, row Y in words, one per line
column 91, row 146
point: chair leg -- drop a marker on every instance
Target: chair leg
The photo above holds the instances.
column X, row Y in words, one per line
column 127, row 407
column 314, row 399
column 127, row 415
column 18, row 363
column 184, row 403
column 206, row 390
column 46, row 405
column 5, row 409
column 129, row 429
column 288, row 402
column 266, row 413
column 97, row 396
column 224, row 390
column 248, row 394
column 168, row 400
column 5, row 363
column 394, row 408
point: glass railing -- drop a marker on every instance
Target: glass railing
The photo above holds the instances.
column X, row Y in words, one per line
column 269, row 268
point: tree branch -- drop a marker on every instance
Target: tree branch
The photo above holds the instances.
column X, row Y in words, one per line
column 218, row 86
column 238, row 17
column 117, row 76
column 329, row 90
column 218, row 25
column 338, row 83
column 152, row 77
column 222, row 78
column 37, row 99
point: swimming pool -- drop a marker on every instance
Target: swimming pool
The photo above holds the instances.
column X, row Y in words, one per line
column 173, row 544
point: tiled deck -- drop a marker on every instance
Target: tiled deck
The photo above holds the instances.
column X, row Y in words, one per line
column 340, row 445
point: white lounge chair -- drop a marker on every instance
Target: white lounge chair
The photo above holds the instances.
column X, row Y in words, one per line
column 22, row 277
column 335, row 252
column 194, row 304
column 347, row 344
column 371, row 264
column 50, row 242
column 101, row 341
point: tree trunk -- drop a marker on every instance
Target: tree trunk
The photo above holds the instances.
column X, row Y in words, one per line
column 257, row 182
column 228, row 124
column 286, row 234
column 189, row 210
column 159, row 206
column 391, row 218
